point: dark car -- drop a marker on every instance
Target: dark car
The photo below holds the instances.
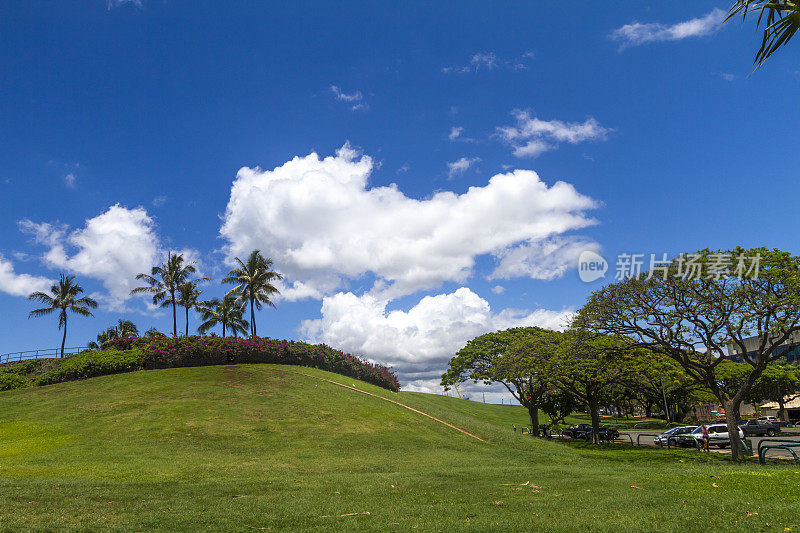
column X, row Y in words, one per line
column 584, row 432
column 774, row 420
column 578, row 432
column 753, row 427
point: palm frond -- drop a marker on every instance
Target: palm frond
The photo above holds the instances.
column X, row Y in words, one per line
column 78, row 310
column 87, row 301
column 781, row 22
column 41, row 312
column 41, row 297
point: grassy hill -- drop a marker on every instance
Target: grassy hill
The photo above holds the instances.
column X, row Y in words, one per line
column 270, row 447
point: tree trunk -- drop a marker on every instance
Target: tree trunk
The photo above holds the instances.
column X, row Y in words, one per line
column 533, row 412
column 252, row 316
column 64, row 338
column 174, row 315
column 594, row 411
column 648, row 409
column 223, row 330
column 781, row 409
column 732, row 414
column 187, row 320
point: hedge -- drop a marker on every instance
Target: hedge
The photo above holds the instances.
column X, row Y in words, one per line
column 166, row 352
column 10, row 381
column 92, row 364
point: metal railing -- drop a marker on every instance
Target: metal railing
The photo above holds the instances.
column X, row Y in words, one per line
column 625, row 435
column 38, row 354
column 640, row 435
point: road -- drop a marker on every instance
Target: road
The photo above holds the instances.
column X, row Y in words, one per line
column 648, row 441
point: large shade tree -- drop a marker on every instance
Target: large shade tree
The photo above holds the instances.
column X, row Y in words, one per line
column 164, row 282
column 662, row 384
column 63, row 297
column 228, row 313
column 254, row 280
column 698, row 308
column 779, row 383
column 589, row 366
column 517, row 358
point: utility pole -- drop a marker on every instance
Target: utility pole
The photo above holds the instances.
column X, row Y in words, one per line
column 666, row 405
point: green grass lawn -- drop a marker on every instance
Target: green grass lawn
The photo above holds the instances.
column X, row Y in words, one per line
column 261, row 447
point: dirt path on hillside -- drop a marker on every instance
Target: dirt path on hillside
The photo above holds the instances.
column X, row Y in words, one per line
column 386, row 400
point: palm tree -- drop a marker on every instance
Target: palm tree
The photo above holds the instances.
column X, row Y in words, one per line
column 254, row 283
column 64, row 297
column 188, row 297
column 782, row 22
column 124, row 328
column 164, row 281
column 227, row 312
column 153, row 332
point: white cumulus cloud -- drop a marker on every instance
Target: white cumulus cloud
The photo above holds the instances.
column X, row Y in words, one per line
column 322, row 224
column 636, row 33
column 546, row 259
column 113, row 247
column 532, row 136
column 20, row 284
column 419, row 341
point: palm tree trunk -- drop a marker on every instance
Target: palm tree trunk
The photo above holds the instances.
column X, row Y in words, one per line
column 187, row 320
column 223, row 330
column 64, row 338
column 252, row 315
column 174, row 315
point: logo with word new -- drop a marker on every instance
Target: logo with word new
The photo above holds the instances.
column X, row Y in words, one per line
column 591, row 266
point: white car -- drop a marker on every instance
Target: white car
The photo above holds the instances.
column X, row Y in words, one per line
column 717, row 435
column 670, row 436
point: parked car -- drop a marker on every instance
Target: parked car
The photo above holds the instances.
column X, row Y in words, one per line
column 760, row 427
column 578, row 431
column 717, row 436
column 584, row 432
column 670, row 436
column 775, row 419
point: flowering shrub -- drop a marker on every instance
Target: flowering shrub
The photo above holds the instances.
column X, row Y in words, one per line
column 166, row 352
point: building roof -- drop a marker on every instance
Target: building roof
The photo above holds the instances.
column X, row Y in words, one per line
column 792, row 404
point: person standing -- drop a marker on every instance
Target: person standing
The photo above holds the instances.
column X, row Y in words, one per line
column 705, row 438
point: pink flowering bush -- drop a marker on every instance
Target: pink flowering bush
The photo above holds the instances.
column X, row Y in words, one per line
column 167, row 352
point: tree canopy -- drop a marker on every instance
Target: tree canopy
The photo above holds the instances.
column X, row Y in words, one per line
column 699, row 307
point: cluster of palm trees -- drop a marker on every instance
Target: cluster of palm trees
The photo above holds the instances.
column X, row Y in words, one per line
column 123, row 328
column 173, row 284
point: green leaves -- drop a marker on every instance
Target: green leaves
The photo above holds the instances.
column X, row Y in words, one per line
column 253, row 281
column 781, row 23
column 63, row 297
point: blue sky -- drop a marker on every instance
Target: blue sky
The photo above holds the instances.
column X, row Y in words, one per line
column 124, row 126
